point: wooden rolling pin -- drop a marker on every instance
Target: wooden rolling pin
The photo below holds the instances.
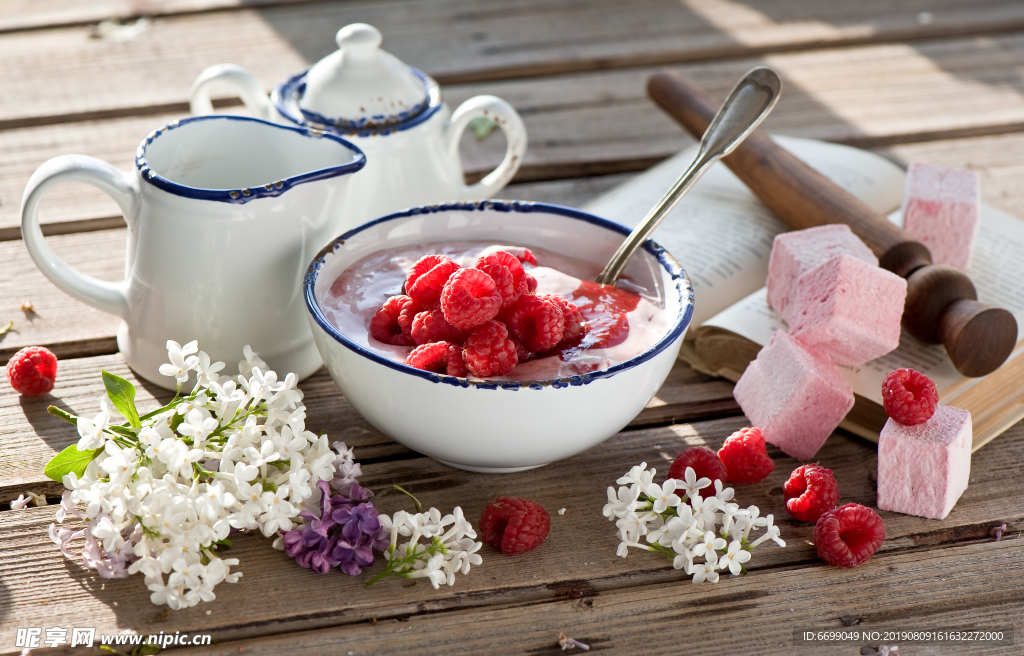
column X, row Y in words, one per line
column 942, row 303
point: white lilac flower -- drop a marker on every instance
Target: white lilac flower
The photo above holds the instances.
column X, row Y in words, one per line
column 663, row 496
column 638, row 475
column 734, row 558
column 20, row 503
column 705, row 572
column 182, row 360
column 250, row 361
column 622, row 502
column 691, row 484
column 91, row 431
column 160, row 501
column 687, row 528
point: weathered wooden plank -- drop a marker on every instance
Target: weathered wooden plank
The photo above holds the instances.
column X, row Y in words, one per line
column 30, row 436
column 39, row 14
column 755, row 615
column 578, row 558
column 59, row 322
column 601, row 123
column 456, row 41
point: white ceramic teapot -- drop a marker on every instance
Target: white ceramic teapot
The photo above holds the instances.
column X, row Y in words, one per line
column 392, row 112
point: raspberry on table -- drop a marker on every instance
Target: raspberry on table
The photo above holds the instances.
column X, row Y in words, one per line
column 909, row 396
column 32, row 371
column 848, row 535
column 536, row 322
column 470, row 298
column 508, row 274
column 705, row 464
column 489, row 351
column 514, row 525
column 385, row 323
column 810, row 491
column 456, row 366
column 425, row 284
column 430, row 357
column 575, row 325
column 745, row 456
column 431, row 326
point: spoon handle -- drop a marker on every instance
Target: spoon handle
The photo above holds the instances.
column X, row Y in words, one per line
column 748, row 104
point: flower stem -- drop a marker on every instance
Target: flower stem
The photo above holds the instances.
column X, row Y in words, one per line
column 419, row 506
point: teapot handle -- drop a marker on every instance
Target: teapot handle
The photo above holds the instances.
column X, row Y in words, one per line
column 241, row 80
column 122, row 187
column 508, row 120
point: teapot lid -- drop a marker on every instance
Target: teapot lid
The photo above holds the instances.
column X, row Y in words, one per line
column 360, row 85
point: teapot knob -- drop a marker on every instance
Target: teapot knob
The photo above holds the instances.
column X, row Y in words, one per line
column 359, row 39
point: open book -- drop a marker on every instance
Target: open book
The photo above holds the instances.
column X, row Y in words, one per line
column 722, row 234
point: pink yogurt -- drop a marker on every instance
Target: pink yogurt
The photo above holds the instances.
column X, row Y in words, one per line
column 621, row 324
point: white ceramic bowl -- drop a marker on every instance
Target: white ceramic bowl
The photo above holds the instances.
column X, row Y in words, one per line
column 494, row 426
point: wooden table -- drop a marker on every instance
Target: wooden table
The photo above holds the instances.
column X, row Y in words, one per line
column 915, row 80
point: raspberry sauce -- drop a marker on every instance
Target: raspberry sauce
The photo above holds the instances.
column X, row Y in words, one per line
column 620, row 324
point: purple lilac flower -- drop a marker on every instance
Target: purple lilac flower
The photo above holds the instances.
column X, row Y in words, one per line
column 344, row 534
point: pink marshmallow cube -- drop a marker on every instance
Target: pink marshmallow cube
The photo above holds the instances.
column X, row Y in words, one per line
column 795, row 396
column 848, row 308
column 923, row 469
column 942, row 210
column 794, row 253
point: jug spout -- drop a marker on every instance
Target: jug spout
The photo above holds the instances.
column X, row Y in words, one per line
column 236, row 78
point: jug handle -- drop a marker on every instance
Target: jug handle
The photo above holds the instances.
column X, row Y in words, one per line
column 122, row 187
column 239, row 79
column 509, row 121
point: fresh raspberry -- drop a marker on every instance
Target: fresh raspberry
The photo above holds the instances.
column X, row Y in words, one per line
column 430, row 326
column 810, row 491
column 531, row 284
column 430, row 357
column 536, row 323
column 575, row 325
column 32, row 370
column 514, row 525
column 848, row 535
column 489, row 351
column 470, row 298
column 456, row 366
column 427, row 277
column 909, row 396
column 745, row 456
column 522, row 354
column 704, row 463
column 385, row 325
column 508, row 275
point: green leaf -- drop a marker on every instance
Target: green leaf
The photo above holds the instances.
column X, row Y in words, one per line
column 122, row 395
column 70, row 460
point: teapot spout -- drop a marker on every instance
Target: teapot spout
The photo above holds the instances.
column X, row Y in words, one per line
column 239, row 80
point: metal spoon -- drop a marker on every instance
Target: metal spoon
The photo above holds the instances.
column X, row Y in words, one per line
column 748, row 104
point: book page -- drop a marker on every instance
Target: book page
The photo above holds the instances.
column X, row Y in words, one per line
column 998, row 252
column 721, row 233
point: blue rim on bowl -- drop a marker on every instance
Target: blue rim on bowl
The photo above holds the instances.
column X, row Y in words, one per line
column 665, row 259
column 244, row 195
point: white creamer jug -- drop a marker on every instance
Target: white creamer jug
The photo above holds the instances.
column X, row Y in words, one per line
column 224, row 215
column 391, row 111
